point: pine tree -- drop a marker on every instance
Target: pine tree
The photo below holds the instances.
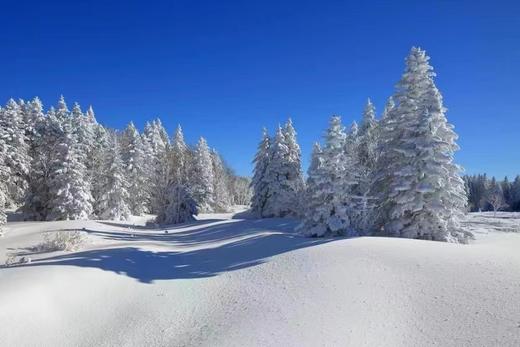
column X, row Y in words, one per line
column 259, row 183
column 133, row 158
column 422, row 194
column 202, row 180
column 112, row 204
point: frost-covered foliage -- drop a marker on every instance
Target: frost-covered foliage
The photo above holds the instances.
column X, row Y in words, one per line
column 202, row 179
column 222, row 200
column 134, row 161
column 180, row 206
column 156, row 145
column 395, row 177
column 277, row 182
column 63, row 240
column 331, row 183
column 112, row 203
column 17, row 148
column 59, row 189
column 259, row 183
column 420, row 191
column 62, row 164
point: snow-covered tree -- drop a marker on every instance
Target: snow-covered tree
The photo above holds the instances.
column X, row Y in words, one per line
column 18, row 151
column 133, row 156
column 330, row 186
column 283, row 175
column 157, row 147
column 202, row 180
column 495, row 196
column 294, row 166
column 222, row 198
column 112, row 203
column 4, row 176
column 180, row 206
column 259, row 183
column 179, row 159
column 421, row 193
column 69, row 189
column 102, row 140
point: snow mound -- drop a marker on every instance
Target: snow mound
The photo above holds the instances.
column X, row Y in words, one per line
column 234, row 282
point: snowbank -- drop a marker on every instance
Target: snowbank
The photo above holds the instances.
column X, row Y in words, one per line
column 233, row 282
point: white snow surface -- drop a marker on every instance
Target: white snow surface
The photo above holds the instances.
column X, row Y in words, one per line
column 245, row 282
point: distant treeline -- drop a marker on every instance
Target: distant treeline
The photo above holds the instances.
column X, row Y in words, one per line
column 489, row 194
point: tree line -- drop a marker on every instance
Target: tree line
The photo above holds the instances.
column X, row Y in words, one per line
column 489, row 194
column 393, row 176
column 62, row 164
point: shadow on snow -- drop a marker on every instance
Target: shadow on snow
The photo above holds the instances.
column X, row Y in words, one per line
column 230, row 245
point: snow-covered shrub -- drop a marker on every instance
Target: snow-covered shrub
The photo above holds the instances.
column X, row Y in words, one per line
column 180, row 206
column 65, row 240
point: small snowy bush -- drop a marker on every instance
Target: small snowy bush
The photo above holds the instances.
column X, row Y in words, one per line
column 65, row 240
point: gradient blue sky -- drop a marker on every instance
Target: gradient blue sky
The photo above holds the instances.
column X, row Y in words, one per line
column 224, row 69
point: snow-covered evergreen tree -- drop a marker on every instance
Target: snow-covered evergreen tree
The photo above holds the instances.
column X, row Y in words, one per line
column 179, row 159
column 112, row 203
column 284, row 184
column 421, row 192
column 18, row 151
column 331, row 181
column 59, row 189
column 180, row 206
column 69, row 189
column 222, row 197
column 4, row 176
column 259, row 183
column 133, row 157
column 202, row 180
column 101, row 143
column 294, row 167
column 158, row 147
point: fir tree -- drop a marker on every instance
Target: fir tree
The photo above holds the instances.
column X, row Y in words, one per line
column 202, row 180
column 422, row 194
column 222, row 197
column 259, row 183
column 112, row 203
column 133, row 158
column 18, row 151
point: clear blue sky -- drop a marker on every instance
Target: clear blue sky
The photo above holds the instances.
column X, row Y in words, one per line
column 224, row 69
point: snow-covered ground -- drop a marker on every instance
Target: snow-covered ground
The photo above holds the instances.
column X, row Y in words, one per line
column 245, row 282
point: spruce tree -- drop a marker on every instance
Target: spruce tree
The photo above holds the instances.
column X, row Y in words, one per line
column 133, row 157
column 421, row 192
column 179, row 159
column 222, row 197
column 112, row 204
column 259, row 183
column 18, row 151
column 202, row 180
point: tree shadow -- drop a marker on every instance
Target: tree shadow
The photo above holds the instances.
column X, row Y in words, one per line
column 218, row 248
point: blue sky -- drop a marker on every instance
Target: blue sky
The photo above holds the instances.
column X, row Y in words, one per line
column 224, row 69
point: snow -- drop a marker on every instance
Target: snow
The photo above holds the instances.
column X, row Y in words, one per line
column 246, row 282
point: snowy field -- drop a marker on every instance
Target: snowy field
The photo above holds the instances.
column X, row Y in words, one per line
column 244, row 282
